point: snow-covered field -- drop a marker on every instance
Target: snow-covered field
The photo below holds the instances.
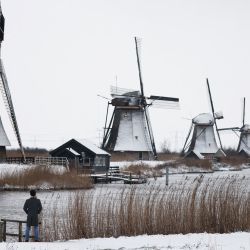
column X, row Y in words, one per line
column 233, row 241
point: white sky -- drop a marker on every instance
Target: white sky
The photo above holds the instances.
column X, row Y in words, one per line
column 59, row 54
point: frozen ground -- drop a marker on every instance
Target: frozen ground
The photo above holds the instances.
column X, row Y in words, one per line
column 234, row 241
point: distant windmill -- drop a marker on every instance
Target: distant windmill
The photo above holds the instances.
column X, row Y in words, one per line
column 244, row 138
column 7, row 100
column 129, row 129
column 203, row 142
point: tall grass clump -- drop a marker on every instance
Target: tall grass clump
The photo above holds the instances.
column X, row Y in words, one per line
column 143, row 169
column 41, row 177
column 219, row 205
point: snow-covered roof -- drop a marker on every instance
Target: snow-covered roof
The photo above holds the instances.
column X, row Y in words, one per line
column 73, row 151
column 203, row 119
column 90, row 145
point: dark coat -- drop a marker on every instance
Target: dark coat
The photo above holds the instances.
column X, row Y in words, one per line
column 32, row 207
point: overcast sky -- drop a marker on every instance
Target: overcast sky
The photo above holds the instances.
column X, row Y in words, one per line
column 60, row 54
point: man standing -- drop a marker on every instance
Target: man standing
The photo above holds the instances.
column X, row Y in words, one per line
column 32, row 207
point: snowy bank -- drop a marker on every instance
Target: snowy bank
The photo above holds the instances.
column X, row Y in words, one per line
column 203, row 241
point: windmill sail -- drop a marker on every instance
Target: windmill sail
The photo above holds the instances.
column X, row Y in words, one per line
column 203, row 143
column 130, row 128
column 6, row 91
column 244, row 137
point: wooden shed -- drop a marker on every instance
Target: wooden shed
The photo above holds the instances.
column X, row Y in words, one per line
column 83, row 155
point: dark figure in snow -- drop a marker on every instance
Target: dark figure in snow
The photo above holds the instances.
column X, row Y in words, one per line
column 32, row 207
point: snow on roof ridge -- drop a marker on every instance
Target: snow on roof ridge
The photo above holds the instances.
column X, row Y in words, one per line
column 203, row 119
column 93, row 147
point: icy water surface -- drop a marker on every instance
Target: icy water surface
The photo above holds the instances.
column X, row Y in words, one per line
column 11, row 202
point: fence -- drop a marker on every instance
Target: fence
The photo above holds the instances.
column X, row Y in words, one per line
column 20, row 160
column 4, row 233
column 63, row 161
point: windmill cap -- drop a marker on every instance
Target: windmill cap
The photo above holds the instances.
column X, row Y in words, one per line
column 203, row 119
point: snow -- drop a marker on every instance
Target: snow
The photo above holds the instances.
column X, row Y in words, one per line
column 123, row 164
column 203, row 119
column 92, row 147
column 203, row 241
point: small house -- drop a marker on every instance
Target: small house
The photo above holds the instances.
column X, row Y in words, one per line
column 83, row 155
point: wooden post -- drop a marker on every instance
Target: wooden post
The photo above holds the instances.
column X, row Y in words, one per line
column 167, row 173
column 1, row 230
column 4, row 230
column 20, row 232
column 106, row 177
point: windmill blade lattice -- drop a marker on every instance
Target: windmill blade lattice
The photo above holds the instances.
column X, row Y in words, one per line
column 9, row 105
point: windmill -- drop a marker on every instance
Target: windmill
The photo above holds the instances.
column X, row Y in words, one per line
column 244, row 138
column 7, row 100
column 203, row 142
column 129, row 129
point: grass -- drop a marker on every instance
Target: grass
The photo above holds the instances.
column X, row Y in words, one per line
column 219, row 205
column 40, row 176
column 235, row 160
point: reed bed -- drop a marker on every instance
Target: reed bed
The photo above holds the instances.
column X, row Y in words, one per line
column 219, row 205
column 143, row 169
column 41, row 177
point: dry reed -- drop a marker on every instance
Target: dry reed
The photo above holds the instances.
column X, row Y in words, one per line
column 144, row 169
column 43, row 177
column 219, row 205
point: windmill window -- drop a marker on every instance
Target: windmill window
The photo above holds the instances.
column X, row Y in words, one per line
column 136, row 137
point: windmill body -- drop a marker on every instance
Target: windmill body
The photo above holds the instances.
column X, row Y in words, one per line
column 129, row 132
column 4, row 141
column 244, row 143
column 203, row 143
